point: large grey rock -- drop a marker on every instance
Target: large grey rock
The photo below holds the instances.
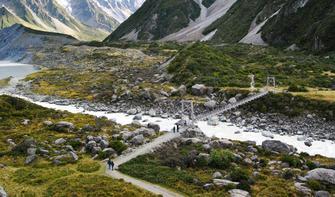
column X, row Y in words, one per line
column 104, row 144
column 322, row 174
column 132, row 111
column 24, row 145
column 126, row 135
column 146, row 132
column 31, row 151
column 154, row 126
column 109, row 152
column 193, row 132
column 224, row 182
column 60, row 141
column 199, row 90
column 182, row 90
column 217, row 175
column 138, row 140
column 152, row 113
column 238, row 193
column 63, row 126
column 3, row 192
column 213, row 121
column 30, row 159
column 322, row 194
column 267, row 134
column 232, row 100
column 73, row 156
column 221, row 143
column 303, row 189
column 277, row 146
column 210, row 104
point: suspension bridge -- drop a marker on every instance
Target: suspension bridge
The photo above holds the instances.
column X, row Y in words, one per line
column 189, row 108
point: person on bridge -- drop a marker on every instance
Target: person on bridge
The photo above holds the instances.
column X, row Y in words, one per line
column 174, row 129
column 177, row 128
column 110, row 164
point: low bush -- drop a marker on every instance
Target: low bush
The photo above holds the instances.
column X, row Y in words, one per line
column 88, row 166
column 118, row 146
column 293, row 161
column 221, row 159
column 239, row 174
column 297, row 88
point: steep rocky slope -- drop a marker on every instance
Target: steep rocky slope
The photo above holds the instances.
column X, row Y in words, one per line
column 308, row 24
column 85, row 20
column 19, row 42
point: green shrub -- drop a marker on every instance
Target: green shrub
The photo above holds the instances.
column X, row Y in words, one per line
column 288, row 174
column 244, row 185
column 297, row 88
column 239, row 174
column 118, row 146
column 201, row 162
column 88, row 166
column 293, row 161
column 315, row 185
column 221, row 159
column 311, row 165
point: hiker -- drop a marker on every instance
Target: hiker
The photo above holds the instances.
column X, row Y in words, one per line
column 177, row 128
column 174, row 129
column 110, row 164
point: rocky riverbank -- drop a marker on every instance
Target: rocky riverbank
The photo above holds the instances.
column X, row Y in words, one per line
column 308, row 126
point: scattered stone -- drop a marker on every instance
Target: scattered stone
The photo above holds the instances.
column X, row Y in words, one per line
column 213, row 121
column 63, row 126
column 232, row 100
column 132, row 111
column 322, row 194
column 137, row 140
column 30, row 159
column 74, row 156
column 47, row 123
column 222, row 143
column 210, row 104
column 224, row 182
column 321, row 174
column 303, row 189
column 3, row 192
column 208, row 186
column 217, row 175
column 152, row 112
column 109, row 152
column 199, row 90
column 308, row 143
column 138, row 117
column 238, row 193
column 267, row 134
column 60, row 141
column 25, row 121
column 154, row 126
column 277, row 146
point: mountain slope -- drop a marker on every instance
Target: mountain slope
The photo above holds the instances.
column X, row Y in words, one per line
column 309, row 24
column 18, row 42
column 157, row 19
column 8, row 19
column 84, row 19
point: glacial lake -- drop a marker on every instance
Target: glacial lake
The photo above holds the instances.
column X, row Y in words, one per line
column 16, row 70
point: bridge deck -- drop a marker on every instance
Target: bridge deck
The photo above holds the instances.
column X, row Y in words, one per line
column 231, row 106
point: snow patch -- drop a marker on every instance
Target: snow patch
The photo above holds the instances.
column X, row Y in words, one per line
column 255, row 35
column 208, row 15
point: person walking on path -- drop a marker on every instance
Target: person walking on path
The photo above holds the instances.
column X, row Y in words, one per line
column 110, row 164
column 174, row 129
column 177, row 128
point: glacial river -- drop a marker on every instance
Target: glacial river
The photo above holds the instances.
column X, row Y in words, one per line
column 223, row 130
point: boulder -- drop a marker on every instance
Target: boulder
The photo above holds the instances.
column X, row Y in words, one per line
column 31, row 151
column 221, row 143
column 152, row 113
column 24, row 145
column 224, row 182
column 210, row 104
column 217, row 175
column 30, row 159
column 63, row 126
column 267, row 134
column 321, row 174
column 47, row 123
column 193, row 132
column 322, row 194
column 232, row 100
column 137, row 140
column 126, row 135
column 147, row 132
column 191, row 140
column 303, row 189
column 277, row 146
column 132, row 111
column 74, row 156
column 109, row 152
column 208, row 186
column 138, row 117
column 154, row 126
column 104, row 144
column 3, row 192
column 238, row 193
column 213, row 121
column 182, row 90
column 199, row 90
column 60, row 141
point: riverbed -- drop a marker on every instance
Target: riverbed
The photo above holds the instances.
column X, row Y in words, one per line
column 223, row 130
column 15, row 70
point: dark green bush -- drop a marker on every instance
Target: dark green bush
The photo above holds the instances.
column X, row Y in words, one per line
column 293, row 161
column 297, row 88
column 221, row 159
column 118, row 146
column 239, row 174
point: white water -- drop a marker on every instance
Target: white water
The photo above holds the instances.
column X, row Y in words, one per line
column 223, row 130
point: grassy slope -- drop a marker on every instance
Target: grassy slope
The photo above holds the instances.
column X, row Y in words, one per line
column 315, row 21
column 158, row 18
column 230, row 65
column 161, row 167
column 43, row 178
